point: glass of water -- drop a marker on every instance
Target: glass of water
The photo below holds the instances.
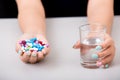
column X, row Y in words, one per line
column 91, row 36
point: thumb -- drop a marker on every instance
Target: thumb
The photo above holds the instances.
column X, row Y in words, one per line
column 18, row 48
column 76, row 45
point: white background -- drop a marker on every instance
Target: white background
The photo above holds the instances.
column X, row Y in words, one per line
column 63, row 62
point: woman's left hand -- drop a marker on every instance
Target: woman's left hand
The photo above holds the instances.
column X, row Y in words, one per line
column 106, row 56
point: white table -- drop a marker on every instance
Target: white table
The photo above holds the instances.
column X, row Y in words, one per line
column 63, row 61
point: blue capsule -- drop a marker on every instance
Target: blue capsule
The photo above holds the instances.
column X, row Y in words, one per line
column 40, row 48
column 35, row 45
column 33, row 40
column 28, row 41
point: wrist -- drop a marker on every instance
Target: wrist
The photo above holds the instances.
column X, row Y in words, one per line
column 34, row 33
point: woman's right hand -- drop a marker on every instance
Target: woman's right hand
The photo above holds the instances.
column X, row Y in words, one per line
column 32, row 57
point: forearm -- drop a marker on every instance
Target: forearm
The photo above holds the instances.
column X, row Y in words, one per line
column 101, row 11
column 31, row 16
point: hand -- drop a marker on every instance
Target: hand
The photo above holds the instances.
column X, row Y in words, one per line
column 108, row 53
column 32, row 57
column 106, row 56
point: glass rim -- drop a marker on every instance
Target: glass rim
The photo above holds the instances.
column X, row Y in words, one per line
column 97, row 24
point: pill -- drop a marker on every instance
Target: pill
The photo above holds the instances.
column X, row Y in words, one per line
column 32, row 45
column 33, row 39
column 23, row 42
column 40, row 42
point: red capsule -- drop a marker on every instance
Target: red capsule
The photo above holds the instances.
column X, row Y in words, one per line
column 23, row 42
column 40, row 42
column 31, row 50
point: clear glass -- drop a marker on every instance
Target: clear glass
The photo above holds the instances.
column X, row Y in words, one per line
column 91, row 35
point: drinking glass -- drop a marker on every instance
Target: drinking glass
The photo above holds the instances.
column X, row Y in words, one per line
column 91, row 36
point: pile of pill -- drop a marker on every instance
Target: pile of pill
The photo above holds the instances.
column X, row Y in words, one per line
column 32, row 44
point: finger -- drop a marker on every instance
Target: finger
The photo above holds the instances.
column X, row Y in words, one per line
column 107, row 43
column 45, row 51
column 40, row 56
column 26, row 56
column 18, row 49
column 107, row 59
column 76, row 45
column 105, row 62
column 100, row 65
column 105, row 52
column 33, row 57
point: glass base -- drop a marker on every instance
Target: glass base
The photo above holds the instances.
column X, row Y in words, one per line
column 91, row 65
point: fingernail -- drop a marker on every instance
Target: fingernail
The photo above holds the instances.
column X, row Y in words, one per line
column 23, row 48
column 99, row 63
column 47, row 45
column 20, row 52
column 35, row 51
column 34, row 54
column 94, row 56
column 28, row 53
column 98, row 48
column 106, row 66
column 102, row 66
column 74, row 46
column 81, row 61
column 44, row 52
